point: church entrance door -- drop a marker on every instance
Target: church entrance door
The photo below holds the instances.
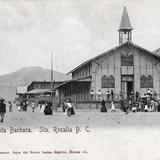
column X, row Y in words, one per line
column 127, row 85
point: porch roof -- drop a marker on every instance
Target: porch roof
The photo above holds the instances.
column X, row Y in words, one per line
column 37, row 91
column 70, row 81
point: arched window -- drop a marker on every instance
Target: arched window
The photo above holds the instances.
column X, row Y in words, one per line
column 149, row 81
column 111, row 82
column 130, row 60
column 143, row 81
column 127, row 60
column 104, row 81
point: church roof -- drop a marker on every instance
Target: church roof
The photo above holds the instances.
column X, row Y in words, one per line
column 125, row 22
column 113, row 49
column 157, row 51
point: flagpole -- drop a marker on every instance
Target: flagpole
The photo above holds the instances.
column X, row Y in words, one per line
column 52, row 78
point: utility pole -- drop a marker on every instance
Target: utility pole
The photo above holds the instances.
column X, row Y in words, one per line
column 52, row 79
column 53, row 100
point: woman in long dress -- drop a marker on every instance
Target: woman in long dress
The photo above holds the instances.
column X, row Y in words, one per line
column 146, row 107
column 103, row 108
column 48, row 109
column 69, row 110
column 43, row 107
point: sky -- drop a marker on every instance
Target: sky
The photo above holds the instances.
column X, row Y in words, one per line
column 74, row 30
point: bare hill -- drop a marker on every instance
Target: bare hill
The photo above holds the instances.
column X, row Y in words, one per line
column 25, row 76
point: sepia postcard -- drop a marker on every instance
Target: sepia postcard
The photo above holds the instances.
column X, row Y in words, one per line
column 79, row 80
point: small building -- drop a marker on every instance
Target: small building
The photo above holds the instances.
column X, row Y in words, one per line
column 37, row 88
column 21, row 92
column 127, row 68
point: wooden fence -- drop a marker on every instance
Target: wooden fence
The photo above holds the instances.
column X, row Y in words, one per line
column 86, row 98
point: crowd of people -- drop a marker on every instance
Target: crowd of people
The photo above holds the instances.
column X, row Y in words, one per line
column 134, row 103
column 46, row 107
column 22, row 105
column 104, row 108
column 3, row 105
column 148, row 103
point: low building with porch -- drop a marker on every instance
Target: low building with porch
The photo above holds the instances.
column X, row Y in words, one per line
column 122, row 70
column 37, row 90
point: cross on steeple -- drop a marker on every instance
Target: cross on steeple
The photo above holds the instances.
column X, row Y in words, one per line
column 125, row 28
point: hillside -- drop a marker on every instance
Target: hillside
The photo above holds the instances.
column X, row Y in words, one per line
column 25, row 76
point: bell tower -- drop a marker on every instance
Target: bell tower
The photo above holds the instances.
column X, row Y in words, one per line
column 125, row 28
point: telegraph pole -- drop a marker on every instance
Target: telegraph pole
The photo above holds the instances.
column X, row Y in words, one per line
column 53, row 100
column 52, row 79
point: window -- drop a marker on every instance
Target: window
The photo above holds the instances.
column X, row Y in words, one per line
column 85, row 72
column 143, row 81
column 127, row 60
column 146, row 82
column 104, row 81
column 149, row 82
column 108, row 82
column 89, row 70
column 111, row 82
column 80, row 74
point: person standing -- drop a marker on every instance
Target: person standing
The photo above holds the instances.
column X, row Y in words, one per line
column 134, row 108
column 103, row 108
column 137, row 95
column 18, row 105
column 99, row 95
column 21, row 106
column 25, row 105
column 10, row 106
column 113, row 109
column 92, row 95
column 2, row 110
column 43, row 106
column 48, row 109
column 127, row 106
column 158, row 107
column 149, row 92
column 108, row 95
column 64, row 106
column 112, row 94
column 69, row 110
column 146, row 108
column 33, row 106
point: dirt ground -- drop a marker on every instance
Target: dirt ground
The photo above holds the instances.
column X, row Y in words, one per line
column 93, row 118
column 112, row 136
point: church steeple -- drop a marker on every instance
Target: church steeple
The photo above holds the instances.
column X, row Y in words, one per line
column 125, row 28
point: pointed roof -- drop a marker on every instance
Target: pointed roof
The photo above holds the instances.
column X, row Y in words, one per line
column 125, row 22
column 113, row 49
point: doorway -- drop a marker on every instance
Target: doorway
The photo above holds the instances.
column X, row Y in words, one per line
column 127, row 86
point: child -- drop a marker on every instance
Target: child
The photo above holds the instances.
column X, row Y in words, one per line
column 146, row 108
column 113, row 107
column 134, row 108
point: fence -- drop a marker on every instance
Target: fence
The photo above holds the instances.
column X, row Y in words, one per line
column 92, row 98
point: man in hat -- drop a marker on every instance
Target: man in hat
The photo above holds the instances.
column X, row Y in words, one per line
column 2, row 110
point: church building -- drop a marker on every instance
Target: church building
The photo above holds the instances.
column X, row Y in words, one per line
column 123, row 69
